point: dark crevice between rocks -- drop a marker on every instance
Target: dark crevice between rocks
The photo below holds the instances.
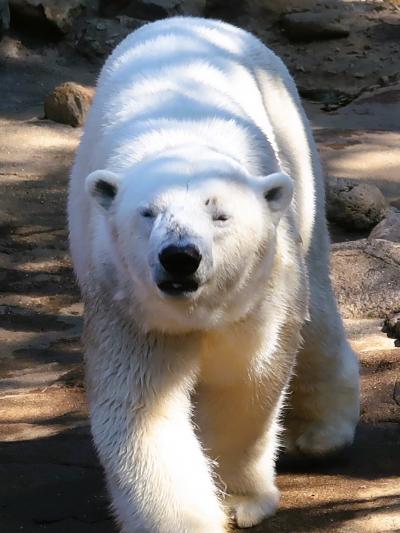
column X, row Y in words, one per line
column 218, row 9
column 141, row 10
column 333, row 99
column 32, row 23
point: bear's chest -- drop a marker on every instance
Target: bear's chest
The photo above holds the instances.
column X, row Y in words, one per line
column 234, row 354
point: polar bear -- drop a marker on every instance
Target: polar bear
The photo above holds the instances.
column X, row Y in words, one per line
column 198, row 236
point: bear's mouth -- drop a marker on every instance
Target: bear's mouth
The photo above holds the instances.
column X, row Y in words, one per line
column 175, row 287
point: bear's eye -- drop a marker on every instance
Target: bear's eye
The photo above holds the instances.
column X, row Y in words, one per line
column 147, row 212
column 274, row 194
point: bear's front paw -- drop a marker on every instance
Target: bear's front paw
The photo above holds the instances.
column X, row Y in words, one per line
column 320, row 438
column 248, row 511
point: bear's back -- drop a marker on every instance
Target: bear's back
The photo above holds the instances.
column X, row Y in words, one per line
column 185, row 79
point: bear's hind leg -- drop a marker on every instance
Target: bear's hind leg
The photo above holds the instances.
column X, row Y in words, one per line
column 324, row 400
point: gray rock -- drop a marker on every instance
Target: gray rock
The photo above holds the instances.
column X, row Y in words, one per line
column 4, row 17
column 391, row 326
column 56, row 14
column 152, row 9
column 69, row 103
column 95, row 37
column 395, row 203
column 365, row 275
column 303, row 27
column 354, row 205
column 388, row 228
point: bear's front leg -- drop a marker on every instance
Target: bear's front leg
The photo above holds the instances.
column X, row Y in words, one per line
column 240, row 431
column 157, row 475
column 242, row 385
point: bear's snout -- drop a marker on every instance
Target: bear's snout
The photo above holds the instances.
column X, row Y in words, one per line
column 180, row 261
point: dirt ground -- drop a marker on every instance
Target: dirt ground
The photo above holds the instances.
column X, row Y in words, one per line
column 50, row 478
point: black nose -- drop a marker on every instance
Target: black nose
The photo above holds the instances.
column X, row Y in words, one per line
column 180, row 261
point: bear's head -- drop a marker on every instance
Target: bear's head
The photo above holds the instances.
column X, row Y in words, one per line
column 192, row 236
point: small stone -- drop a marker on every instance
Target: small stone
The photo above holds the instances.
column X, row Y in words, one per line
column 69, row 103
column 309, row 27
column 388, row 228
column 391, row 326
column 355, row 205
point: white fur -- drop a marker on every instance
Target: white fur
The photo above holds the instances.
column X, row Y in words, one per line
column 197, row 136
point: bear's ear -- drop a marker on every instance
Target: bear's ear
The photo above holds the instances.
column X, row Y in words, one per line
column 278, row 191
column 102, row 185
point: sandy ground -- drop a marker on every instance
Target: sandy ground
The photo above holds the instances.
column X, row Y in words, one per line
column 50, row 478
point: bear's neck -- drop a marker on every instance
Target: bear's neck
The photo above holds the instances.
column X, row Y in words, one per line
column 247, row 145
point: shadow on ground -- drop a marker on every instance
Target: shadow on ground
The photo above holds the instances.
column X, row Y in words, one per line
column 61, row 484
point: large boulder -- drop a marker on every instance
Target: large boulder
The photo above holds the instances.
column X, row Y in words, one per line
column 354, row 205
column 96, row 37
column 310, row 26
column 366, row 277
column 388, row 228
column 152, row 9
column 69, row 104
column 55, row 15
